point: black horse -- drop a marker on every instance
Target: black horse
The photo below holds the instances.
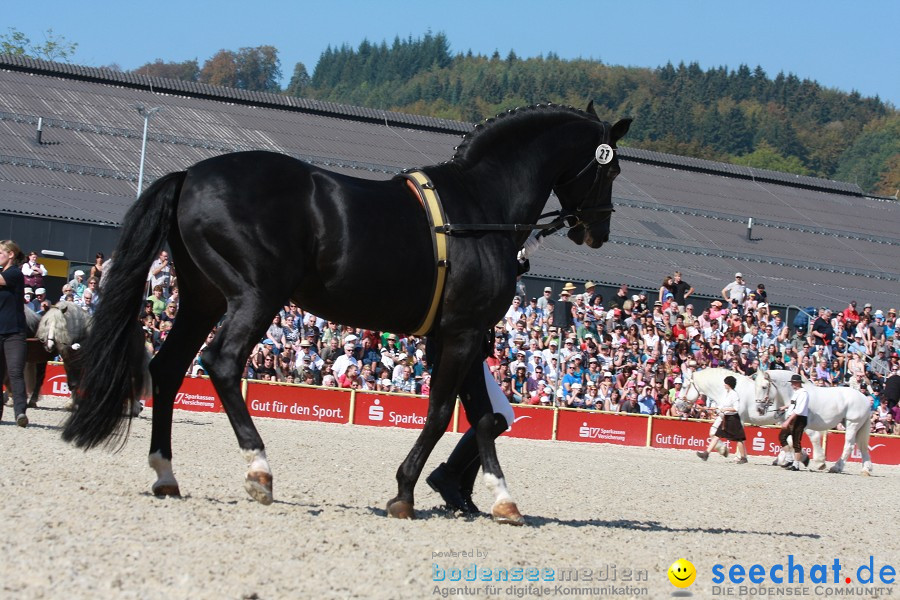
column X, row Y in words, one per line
column 250, row 229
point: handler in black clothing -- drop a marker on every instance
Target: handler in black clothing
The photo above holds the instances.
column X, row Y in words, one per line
column 12, row 326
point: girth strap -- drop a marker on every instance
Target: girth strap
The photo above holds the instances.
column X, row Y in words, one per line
column 422, row 186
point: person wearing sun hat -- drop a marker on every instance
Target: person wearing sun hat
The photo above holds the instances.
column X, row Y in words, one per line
column 795, row 422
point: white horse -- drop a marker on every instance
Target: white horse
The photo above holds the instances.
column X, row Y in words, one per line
column 828, row 406
column 61, row 330
column 711, row 383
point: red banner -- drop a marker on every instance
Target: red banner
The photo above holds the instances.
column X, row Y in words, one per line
column 388, row 410
column 884, row 449
column 301, row 403
column 55, row 381
column 197, row 394
column 530, row 422
column 677, row 433
column 602, row 428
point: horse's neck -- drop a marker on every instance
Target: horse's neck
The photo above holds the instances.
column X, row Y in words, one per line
column 520, row 175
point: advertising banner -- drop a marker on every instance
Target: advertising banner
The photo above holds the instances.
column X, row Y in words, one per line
column 55, row 381
column 884, row 449
column 196, row 394
column 389, row 410
column 300, row 403
column 677, row 433
column 531, row 422
column 602, row 428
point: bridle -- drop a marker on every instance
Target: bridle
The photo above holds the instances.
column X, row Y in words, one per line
column 769, row 401
column 602, row 159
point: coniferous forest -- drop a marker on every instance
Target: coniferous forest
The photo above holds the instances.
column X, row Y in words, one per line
column 741, row 115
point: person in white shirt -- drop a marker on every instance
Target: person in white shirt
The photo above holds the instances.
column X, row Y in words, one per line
column 731, row 427
column 796, row 421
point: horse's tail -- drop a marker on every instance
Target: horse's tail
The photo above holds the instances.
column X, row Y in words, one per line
column 113, row 352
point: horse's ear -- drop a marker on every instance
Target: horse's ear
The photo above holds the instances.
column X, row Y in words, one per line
column 590, row 109
column 620, row 129
column 63, row 307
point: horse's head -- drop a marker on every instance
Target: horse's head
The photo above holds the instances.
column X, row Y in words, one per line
column 585, row 193
column 765, row 392
column 52, row 331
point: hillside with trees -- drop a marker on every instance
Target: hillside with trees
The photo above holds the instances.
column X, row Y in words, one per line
column 740, row 115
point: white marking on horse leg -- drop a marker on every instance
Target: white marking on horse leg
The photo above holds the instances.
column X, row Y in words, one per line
column 256, row 461
column 259, row 476
column 497, row 485
column 165, row 484
column 815, row 438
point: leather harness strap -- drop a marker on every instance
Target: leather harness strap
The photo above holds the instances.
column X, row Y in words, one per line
column 424, row 191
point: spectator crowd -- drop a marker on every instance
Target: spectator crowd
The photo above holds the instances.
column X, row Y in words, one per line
column 629, row 353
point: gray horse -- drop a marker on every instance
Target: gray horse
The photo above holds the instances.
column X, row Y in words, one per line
column 61, row 331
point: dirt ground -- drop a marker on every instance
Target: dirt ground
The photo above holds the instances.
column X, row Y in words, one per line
column 84, row 525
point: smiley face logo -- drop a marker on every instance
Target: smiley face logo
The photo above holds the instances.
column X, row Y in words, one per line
column 682, row 573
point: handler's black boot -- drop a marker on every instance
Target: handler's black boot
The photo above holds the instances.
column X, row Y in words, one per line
column 467, row 485
column 446, row 480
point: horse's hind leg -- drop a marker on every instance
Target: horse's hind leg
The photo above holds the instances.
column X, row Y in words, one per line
column 248, row 318
column 849, row 439
column 168, row 368
column 862, row 442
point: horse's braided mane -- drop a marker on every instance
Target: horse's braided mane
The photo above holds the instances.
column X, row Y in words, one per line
column 486, row 132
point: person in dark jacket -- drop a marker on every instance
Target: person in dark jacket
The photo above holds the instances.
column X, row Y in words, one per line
column 12, row 326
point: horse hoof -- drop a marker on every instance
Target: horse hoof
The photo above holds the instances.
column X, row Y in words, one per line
column 834, row 470
column 259, row 486
column 400, row 509
column 866, row 473
column 69, row 406
column 822, row 467
column 507, row 513
column 167, row 489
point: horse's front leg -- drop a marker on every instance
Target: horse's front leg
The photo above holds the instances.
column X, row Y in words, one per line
column 454, row 355
column 818, row 456
column 504, row 509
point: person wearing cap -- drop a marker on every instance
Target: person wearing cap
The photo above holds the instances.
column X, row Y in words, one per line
column 36, row 304
column 736, row 291
column 77, row 283
column 545, row 299
column 795, row 422
column 731, row 427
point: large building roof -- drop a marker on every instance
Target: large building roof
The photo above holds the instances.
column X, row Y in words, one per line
column 813, row 240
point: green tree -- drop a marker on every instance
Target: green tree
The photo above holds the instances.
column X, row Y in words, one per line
column 300, row 81
column 188, row 70
column 256, row 69
column 54, row 47
column 767, row 157
column 873, row 153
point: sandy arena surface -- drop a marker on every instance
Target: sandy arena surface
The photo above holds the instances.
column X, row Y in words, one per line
column 84, row 525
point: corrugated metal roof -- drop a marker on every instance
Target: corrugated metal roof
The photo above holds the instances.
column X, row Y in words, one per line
column 814, row 240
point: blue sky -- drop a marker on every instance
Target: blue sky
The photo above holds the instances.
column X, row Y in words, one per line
column 843, row 45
